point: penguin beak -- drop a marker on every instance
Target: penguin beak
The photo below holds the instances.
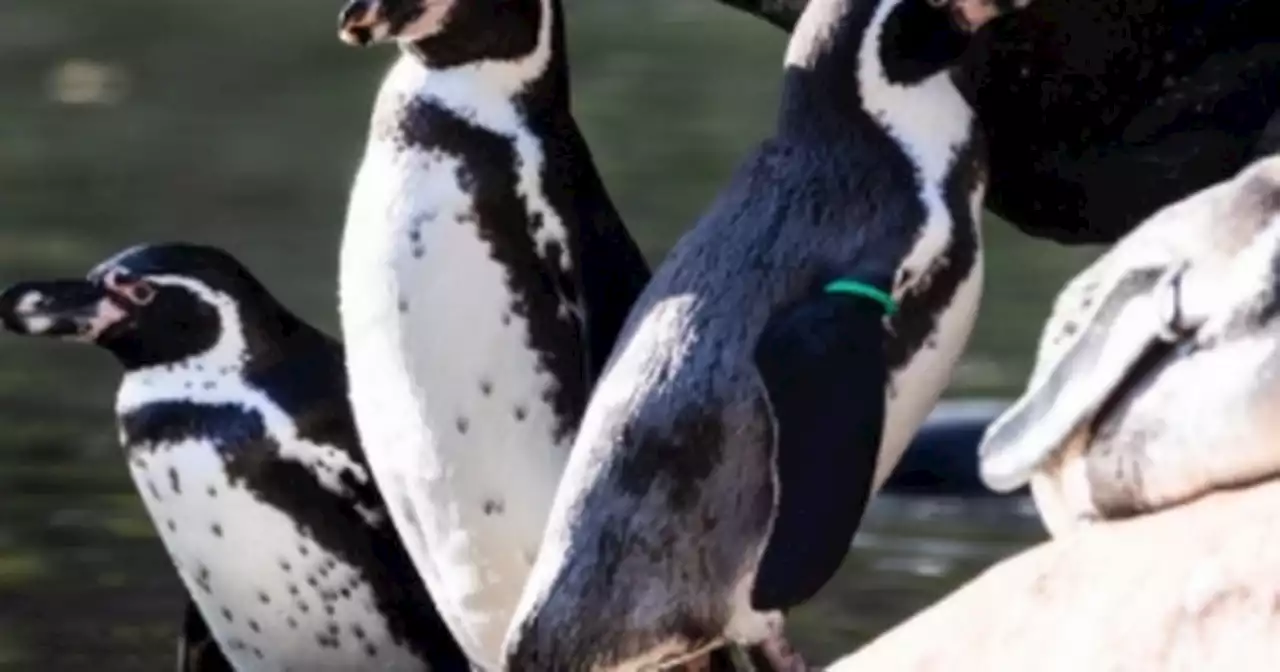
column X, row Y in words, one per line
column 77, row 310
column 359, row 21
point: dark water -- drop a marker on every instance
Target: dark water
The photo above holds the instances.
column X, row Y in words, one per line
column 910, row 552
column 107, row 599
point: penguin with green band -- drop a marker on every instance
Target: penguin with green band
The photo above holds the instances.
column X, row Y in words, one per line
column 773, row 371
column 855, row 288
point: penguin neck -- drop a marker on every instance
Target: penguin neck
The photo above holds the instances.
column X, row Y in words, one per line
column 532, row 72
column 198, row 377
column 879, row 65
column 522, row 97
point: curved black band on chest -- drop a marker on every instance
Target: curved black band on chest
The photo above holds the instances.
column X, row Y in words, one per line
column 606, row 270
column 252, row 459
column 822, row 362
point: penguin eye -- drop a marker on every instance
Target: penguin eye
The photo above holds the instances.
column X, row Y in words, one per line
column 141, row 293
column 137, row 291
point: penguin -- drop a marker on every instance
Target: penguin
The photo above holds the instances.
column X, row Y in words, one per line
column 773, row 371
column 233, row 417
column 484, row 275
column 1095, row 114
column 1155, row 374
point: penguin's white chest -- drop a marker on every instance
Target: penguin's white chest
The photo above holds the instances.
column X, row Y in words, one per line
column 933, row 124
column 450, row 399
column 914, row 389
column 272, row 598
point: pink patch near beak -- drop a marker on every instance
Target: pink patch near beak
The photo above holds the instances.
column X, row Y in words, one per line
column 139, row 292
column 108, row 313
column 974, row 14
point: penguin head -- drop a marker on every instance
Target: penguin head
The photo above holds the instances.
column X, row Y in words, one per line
column 448, row 32
column 924, row 37
column 149, row 305
column 365, row 22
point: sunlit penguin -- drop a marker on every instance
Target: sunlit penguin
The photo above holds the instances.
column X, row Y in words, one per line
column 1158, row 372
column 484, row 276
column 764, row 385
column 234, row 419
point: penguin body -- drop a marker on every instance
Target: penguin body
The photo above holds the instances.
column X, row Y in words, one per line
column 234, row 420
column 752, row 405
column 484, row 277
column 1114, row 422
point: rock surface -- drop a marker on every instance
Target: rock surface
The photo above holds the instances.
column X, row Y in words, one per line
column 1195, row 588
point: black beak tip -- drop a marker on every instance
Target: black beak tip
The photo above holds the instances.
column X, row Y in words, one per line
column 60, row 307
column 10, row 298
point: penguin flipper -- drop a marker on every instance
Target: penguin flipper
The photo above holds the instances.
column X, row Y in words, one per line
column 197, row 650
column 1110, row 346
column 822, row 363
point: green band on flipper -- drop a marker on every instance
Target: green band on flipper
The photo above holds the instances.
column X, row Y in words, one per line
column 856, row 288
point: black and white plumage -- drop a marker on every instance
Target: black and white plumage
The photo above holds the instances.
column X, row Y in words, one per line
column 484, row 276
column 744, row 408
column 1098, row 113
column 235, row 423
column 1158, row 372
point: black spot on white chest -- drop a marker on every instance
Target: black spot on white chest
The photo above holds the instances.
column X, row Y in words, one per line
column 269, row 591
column 485, row 248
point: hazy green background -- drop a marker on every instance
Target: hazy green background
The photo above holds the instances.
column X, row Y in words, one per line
column 239, row 123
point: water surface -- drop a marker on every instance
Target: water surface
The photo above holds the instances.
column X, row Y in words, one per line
column 910, row 552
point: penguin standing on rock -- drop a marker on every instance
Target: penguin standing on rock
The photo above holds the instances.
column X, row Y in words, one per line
column 234, row 419
column 1156, row 377
column 484, row 276
column 772, row 373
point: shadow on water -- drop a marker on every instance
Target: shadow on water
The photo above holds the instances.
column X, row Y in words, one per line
column 238, row 123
